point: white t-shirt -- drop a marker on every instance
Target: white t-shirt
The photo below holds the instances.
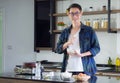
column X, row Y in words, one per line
column 74, row 62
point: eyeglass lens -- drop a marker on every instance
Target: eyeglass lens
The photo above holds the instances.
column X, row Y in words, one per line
column 76, row 13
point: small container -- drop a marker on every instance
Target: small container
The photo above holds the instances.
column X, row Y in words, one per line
column 96, row 23
column 104, row 23
column 109, row 61
column 104, row 8
column 117, row 64
column 90, row 8
column 88, row 22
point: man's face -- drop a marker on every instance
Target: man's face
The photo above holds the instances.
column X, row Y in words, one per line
column 75, row 14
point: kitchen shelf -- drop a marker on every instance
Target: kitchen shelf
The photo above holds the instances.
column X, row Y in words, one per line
column 90, row 13
column 98, row 30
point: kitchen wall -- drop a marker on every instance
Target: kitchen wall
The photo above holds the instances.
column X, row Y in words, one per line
column 18, row 36
column 18, row 33
column 118, row 43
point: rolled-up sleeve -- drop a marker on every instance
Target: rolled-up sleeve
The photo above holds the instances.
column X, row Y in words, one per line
column 62, row 39
column 95, row 47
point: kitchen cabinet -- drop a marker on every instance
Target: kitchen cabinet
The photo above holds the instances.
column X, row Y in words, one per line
column 108, row 12
column 42, row 35
column 7, row 80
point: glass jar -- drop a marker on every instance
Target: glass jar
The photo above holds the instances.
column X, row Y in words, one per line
column 104, row 23
column 96, row 23
column 88, row 22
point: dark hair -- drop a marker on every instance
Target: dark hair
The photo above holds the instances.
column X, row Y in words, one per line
column 75, row 5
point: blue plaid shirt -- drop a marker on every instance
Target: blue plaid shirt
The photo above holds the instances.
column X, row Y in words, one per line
column 88, row 42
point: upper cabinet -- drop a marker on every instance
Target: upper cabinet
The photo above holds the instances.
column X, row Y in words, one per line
column 42, row 34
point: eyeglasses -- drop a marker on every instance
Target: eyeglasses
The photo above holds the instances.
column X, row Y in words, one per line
column 76, row 13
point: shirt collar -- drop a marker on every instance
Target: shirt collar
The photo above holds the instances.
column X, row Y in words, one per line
column 81, row 27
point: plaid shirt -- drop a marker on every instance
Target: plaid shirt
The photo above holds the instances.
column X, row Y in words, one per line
column 88, row 42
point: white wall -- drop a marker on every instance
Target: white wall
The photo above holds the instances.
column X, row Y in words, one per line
column 118, row 43
column 18, row 31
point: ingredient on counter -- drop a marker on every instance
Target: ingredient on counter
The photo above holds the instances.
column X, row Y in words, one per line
column 81, row 77
column 117, row 64
column 47, row 75
column 117, row 61
column 66, row 76
column 109, row 61
column 21, row 70
column 118, row 78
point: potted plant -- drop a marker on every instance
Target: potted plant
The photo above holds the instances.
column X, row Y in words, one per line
column 60, row 25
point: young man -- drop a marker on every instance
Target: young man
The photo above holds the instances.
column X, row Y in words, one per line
column 79, row 44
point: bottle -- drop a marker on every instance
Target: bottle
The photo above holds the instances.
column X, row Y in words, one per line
column 42, row 70
column 109, row 61
column 117, row 63
column 38, row 70
column 33, row 70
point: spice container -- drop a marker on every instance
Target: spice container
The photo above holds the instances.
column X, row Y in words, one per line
column 87, row 22
column 90, row 8
column 96, row 23
column 104, row 8
column 104, row 23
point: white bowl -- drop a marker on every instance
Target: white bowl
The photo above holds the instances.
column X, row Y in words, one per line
column 70, row 50
column 66, row 75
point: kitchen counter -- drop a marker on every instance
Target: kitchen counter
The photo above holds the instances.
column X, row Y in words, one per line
column 100, row 67
column 13, row 78
column 52, row 65
column 105, row 74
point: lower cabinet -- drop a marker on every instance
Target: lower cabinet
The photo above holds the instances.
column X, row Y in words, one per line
column 7, row 80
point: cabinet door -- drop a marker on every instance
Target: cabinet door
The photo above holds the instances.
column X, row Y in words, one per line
column 42, row 24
